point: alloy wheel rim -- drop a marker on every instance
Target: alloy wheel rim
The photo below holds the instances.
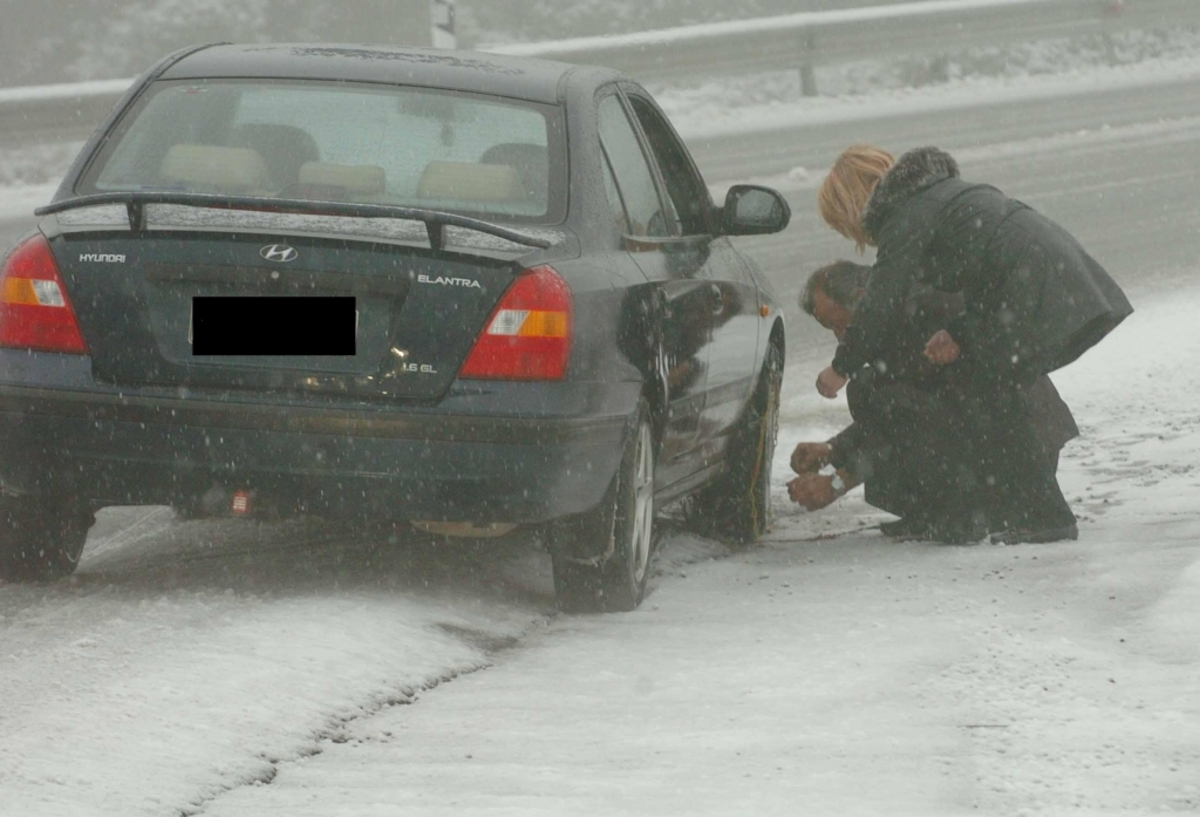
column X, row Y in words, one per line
column 643, row 503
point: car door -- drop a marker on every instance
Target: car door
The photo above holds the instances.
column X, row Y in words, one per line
column 672, row 266
column 732, row 296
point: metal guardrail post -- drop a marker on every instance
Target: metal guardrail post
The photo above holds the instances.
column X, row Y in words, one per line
column 808, row 56
column 1111, row 15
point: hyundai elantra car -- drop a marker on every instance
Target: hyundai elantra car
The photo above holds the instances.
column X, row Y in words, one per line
column 458, row 290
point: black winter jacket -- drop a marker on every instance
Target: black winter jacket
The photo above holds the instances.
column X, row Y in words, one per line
column 903, row 362
column 1035, row 300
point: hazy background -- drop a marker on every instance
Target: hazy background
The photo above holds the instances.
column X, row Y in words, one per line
column 48, row 41
column 57, row 41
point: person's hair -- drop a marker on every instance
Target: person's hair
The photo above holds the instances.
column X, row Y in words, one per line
column 842, row 282
column 845, row 191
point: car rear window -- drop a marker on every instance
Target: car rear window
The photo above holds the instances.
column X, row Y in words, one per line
column 479, row 155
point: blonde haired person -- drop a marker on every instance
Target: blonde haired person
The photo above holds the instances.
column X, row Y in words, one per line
column 847, row 188
column 1034, row 302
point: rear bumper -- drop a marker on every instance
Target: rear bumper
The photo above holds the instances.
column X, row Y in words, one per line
column 371, row 461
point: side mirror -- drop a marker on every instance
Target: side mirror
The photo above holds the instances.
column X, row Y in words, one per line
column 754, row 210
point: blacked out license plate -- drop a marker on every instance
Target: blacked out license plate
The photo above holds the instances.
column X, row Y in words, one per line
column 292, row 326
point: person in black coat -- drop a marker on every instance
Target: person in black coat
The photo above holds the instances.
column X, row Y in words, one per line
column 903, row 443
column 1034, row 302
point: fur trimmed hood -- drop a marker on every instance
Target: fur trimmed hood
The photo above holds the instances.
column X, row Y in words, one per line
column 914, row 171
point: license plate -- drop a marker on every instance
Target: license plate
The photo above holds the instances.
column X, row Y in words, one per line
column 280, row 326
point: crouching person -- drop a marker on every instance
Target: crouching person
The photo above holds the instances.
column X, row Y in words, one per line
column 907, row 444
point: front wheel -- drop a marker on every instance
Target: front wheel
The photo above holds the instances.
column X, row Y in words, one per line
column 737, row 507
column 40, row 540
column 625, row 521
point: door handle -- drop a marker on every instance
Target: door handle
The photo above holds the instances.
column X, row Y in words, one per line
column 718, row 299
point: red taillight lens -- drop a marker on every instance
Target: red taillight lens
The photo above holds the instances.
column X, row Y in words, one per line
column 35, row 312
column 528, row 335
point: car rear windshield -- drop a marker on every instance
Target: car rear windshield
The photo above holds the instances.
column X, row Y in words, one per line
column 487, row 156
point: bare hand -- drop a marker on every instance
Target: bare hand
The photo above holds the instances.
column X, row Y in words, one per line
column 942, row 349
column 829, row 382
column 810, row 457
column 813, row 491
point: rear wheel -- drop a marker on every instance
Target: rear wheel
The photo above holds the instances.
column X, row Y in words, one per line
column 624, row 521
column 40, row 540
column 737, row 507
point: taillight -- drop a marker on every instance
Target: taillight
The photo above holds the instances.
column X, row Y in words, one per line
column 35, row 312
column 528, row 335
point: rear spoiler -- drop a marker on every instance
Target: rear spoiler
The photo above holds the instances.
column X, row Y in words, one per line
column 435, row 220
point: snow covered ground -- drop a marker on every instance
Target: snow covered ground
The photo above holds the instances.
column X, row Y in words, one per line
column 21, row 200
column 725, row 108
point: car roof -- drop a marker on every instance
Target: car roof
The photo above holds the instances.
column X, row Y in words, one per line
column 474, row 71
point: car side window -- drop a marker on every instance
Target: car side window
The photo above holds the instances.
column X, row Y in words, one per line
column 634, row 179
column 687, row 191
column 614, row 196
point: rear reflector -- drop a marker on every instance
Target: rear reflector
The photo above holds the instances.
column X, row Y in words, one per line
column 35, row 312
column 528, row 335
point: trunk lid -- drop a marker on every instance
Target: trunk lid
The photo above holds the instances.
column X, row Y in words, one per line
column 419, row 310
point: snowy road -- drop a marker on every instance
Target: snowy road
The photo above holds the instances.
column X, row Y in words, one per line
column 231, row 669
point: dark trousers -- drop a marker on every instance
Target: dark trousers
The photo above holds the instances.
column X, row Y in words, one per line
column 1017, row 469
column 955, row 452
column 910, row 453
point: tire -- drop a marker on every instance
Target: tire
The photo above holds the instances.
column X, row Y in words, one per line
column 625, row 519
column 40, row 540
column 736, row 508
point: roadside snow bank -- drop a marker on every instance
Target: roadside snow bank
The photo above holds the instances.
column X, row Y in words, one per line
column 723, row 111
column 20, row 202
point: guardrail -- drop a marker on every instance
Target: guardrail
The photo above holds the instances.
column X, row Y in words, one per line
column 56, row 113
column 61, row 113
column 806, row 39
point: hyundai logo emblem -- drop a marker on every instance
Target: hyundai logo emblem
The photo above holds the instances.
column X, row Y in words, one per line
column 279, row 252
